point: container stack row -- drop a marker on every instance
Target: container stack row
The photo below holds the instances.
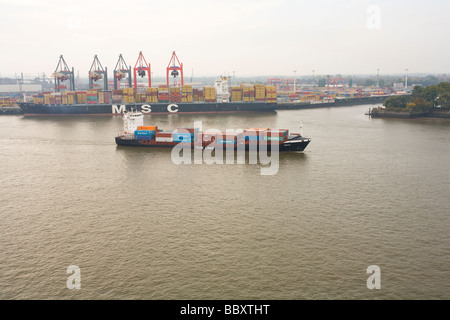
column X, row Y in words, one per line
column 198, row 95
column 146, row 132
column 248, row 93
column 163, row 93
column 175, row 95
column 236, row 94
column 166, row 94
column 128, row 95
column 152, row 95
column 188, row 135
column 186, row 93
column 271, row 94
column 210, row 94
column 260, row 92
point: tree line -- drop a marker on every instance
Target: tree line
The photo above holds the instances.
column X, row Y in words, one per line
column 422, row 99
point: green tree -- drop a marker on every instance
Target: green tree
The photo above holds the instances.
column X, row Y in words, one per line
column 417, row 91
column 421, row 104
column 444, row 87
column 398, row 102
column 422, row 99
column 429, row 80
column 430, row 94
column 444, row 101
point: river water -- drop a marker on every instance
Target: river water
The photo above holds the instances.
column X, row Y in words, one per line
column 365, row 192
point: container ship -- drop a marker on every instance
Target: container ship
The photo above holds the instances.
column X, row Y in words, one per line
column 137, row 135
column 156, row 100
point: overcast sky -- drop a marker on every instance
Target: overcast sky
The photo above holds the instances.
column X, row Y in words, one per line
column 248, row 37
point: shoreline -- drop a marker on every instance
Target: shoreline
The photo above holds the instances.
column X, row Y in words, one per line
column 337, row 103
column 408, row 115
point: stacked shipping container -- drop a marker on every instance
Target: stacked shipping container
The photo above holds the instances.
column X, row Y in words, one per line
column 248, row 93
column 175, row 94
column 271, row 94
column 104, row 97
column 198, row 95
column 140, row 97
column 128, row 95
column 163, row 137
column 92, row 96
column 37, row 98
column 152, row 95
column 117, row 96
column 210, row 94
column 144, row 134
column 188, row 135
column 236, row 94
column 162, row 94
column 186, row 93
column 260, row 92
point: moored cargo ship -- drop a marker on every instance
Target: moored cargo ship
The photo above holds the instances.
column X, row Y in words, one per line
column 136, row 134
column 163, row 99
column 220, row 98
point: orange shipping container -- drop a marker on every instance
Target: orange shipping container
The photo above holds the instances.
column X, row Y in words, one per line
column 148, row 128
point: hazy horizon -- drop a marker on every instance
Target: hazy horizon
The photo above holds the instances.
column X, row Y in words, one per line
column 247, row 38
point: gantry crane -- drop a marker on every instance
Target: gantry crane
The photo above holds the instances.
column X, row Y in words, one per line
column 121, row 71
column 96, row 73
column 142, row 69
column 63, row 73
column 176, row 69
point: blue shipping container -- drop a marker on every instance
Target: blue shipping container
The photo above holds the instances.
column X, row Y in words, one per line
column 144, row 134
column 144, row 137
column 251, row 138
column 226, row 141
column 183, row 137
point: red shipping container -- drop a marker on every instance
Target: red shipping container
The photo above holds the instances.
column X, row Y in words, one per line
column 163, row 134
column 275, row 133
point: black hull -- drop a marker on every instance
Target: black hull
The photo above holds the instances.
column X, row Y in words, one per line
column 174, row 108
column 337, row 103
column 153, row 108
column 294, row 145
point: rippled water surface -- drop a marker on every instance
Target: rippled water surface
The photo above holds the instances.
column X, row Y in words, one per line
column 365, row 192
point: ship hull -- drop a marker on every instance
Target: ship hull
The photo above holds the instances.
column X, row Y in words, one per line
column 296, row 144
column 155, row 108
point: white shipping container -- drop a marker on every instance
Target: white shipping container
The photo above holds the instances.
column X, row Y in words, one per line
column 163, row 139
